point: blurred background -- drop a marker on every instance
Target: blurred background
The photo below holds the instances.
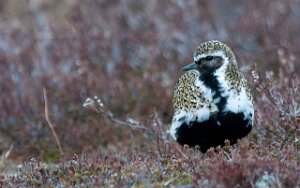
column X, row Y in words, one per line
column 128, row 53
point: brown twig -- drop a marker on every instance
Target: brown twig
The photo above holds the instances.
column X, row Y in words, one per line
column 111, row 117
column 49, row 122
column 97, row 105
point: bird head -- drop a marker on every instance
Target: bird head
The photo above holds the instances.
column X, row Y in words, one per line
column 210, row 56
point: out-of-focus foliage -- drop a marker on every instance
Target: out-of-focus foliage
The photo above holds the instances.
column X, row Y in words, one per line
column 129, row 53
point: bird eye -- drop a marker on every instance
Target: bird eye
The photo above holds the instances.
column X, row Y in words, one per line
column 209, row 58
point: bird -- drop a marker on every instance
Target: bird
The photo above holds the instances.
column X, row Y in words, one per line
column 212, row 100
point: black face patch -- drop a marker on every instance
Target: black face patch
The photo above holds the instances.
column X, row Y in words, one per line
column 209, row 63
column 209, row 58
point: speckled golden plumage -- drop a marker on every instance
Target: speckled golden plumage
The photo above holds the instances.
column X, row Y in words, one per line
column 212, row 99
column 186, row 93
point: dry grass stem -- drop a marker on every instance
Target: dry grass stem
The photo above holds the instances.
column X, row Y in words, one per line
column 50, row 123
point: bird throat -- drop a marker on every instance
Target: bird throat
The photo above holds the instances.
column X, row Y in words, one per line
column 210, row 80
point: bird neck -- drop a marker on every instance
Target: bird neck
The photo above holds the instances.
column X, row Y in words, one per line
column 211, row 81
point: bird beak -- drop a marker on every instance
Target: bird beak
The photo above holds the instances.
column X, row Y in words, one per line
column 189, row 67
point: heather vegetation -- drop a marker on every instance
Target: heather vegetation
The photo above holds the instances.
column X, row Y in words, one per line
column 107, row 69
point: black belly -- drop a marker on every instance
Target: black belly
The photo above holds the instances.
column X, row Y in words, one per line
column 210, row 134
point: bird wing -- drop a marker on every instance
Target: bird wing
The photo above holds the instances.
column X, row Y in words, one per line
column 189, row 96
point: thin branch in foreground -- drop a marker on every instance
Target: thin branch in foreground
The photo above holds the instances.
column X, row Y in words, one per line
column 4, row 156
column 96, row 104
column 49, row 122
